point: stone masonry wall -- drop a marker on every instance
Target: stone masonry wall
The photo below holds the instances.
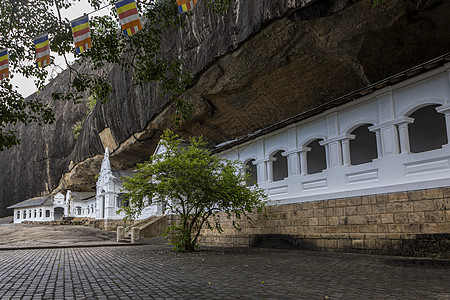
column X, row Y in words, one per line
column 415, row 223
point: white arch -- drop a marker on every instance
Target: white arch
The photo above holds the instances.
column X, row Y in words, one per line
column 309, row 139
column 275, row 150
column 248, row 158
column 358, row 123
column 420, row 104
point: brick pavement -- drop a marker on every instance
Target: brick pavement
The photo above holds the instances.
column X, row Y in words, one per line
column 155, row 272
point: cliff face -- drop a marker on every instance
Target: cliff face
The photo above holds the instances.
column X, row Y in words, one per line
column 260, row 63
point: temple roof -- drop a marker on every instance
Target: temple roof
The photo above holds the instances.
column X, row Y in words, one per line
column 82, row 196
column 37, row 201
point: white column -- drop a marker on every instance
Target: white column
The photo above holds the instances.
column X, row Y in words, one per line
column 445, row 109
column 404, row 137
column 293, row 162
column 379, row 148
column 346, row 152
column 269, row 164
column 261, row 170
column 303, row 160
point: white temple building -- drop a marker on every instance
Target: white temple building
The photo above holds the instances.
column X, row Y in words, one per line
column 394, row 139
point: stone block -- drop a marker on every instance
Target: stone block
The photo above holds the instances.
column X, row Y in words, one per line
column 354, row 201
column 417, row 217
column 387, row 218
column 351, row 210
column 411, row 228
column 367, row 228
column 308, row 213
column 357, row 220
column 394, row 207
column 357, row 244
column 364, row 210
column 379, row 208
column 372, row 199
column 415, row 195
column 423, row 205
column 401, row 196
column 341, row 202
column 442, row 204
column 313, row 221
column 443, row 227
column 447, row 215
column 446, row 192
column 320, row 229
column 344, row 244
column 331, row 203
column 401, row 218
column 434, row 216
column 370, row 244
column 382, row 198
column 312, row 205
column 433, row 193
column 322, row 204
column 331, row 243
column 395, row 228
column 383, row 228
column 332, row 221
column 322, row 221
column 320, row 212
column 373, row 219
column 408, row 206
column 343, row 220
column 428, row 228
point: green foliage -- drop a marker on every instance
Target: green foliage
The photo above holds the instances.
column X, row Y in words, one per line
column 140, row 54
column 92, row 102
column 193, row 184
column 77, row 129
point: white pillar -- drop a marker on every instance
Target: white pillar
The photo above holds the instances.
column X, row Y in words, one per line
column 445, row 109
column 293, row 162
column 404, row 137
column 379, row 148
column 303, row 160
column 346, row 152
column 269, row 164
column 261, row 170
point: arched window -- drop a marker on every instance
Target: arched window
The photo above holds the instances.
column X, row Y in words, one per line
column 47, row 213
column 252, row 173
column 280, row 167
column 428, row 132
column 40, row 212
column 29, row 214
column 18, row 215
column 363, row 148
column 24, row 214
column 78, row 210
column 34, row 214
column 316, row 158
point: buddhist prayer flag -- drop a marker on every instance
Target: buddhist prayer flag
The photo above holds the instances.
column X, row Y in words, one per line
column 4, row 64
column 185, row 5
column 42, row 50
column 129, row 16
column 81, row 34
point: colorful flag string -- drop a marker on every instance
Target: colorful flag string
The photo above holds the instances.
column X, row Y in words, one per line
column 4, row 64
column 185, row 5
column 81, row 34
column 42, row 50
column 129, row 16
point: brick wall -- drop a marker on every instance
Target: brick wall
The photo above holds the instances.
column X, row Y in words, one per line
column 415, row 223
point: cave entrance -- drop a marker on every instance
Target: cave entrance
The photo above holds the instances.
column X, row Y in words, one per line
column 58, row 213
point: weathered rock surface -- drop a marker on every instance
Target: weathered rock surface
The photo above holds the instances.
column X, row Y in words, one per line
column 262, row 62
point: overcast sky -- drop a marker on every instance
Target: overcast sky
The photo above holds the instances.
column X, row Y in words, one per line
column 26, row 85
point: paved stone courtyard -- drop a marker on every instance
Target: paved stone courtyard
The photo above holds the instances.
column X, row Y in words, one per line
column 155, row 272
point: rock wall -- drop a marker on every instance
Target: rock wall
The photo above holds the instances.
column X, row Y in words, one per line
column 258, row 64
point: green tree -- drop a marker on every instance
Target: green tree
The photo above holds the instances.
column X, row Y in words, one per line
column 21, row 20
column 193, row 184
